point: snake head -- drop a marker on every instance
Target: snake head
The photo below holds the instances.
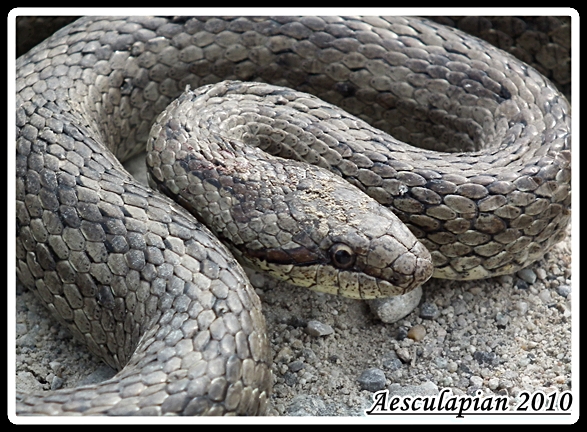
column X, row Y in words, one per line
column 341, row 241
column 367, row 251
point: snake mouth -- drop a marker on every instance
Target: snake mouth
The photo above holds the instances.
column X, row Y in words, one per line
column 362, row 286
column 353, row 283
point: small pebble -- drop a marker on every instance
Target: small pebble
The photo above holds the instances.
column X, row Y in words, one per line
column 446, row 381
column 284, row 355
column 545, row 296
column 56, row 383
column 561, row 379
column 441, row 362
column 506, row 384
column 460, row 307
column 484, row 357
column 372, row 379
column 392, row 309
column 21, row 329
column 429, row 311
column 521, row 284
column 27, row 340
column 316, row 328
column 309, row 355
column 296, row 366
column 402, row 333
column 290, row 378
column 417, row 332
column 297, row 344
column 464, row 367
column 541, row 273
column 392, row 364
column 296, row 322
column 502, row 320
column 564, row 290
column 57, row 367
column 493, row 383
column 528, row 275
column 476, row 381
column 404, row 355
column 522, row 307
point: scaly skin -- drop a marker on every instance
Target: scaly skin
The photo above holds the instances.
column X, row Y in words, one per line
column 155, row 294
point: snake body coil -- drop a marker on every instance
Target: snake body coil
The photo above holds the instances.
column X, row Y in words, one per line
column 151, row 290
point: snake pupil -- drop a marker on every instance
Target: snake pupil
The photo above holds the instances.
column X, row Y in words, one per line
column 343, row 257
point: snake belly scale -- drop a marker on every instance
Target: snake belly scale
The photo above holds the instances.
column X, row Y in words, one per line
column 152, row 291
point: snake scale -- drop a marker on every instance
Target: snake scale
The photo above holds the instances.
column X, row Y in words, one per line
column 149, row 289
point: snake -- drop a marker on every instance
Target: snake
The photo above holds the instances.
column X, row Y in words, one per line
column 283, row 142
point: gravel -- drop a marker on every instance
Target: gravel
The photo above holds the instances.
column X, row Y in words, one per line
column 372, row 380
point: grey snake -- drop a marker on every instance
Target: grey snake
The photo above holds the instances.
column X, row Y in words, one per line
column 149, row 289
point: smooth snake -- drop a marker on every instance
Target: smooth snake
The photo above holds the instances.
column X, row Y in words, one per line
column 153, row 293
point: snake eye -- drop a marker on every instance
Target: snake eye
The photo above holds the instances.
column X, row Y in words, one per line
column 342, row 256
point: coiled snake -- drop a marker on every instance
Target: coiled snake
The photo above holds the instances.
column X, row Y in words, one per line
column 155, row 294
